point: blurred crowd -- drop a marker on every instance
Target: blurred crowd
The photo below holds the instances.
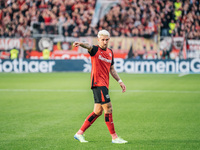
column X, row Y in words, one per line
column 20, row 18
column 146, row 18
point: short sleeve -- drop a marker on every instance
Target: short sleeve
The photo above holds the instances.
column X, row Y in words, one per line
column 112, row 63
column 94, row 50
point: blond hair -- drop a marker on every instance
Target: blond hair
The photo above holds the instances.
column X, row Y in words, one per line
column 103, row 33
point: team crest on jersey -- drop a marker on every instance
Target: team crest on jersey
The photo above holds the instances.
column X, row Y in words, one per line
column 110, row 54
column 107, row 96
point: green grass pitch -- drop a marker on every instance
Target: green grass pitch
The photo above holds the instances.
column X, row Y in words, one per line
column 44, row 111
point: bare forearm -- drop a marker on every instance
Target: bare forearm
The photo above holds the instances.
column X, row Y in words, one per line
column 114, row 74
column 86, row 45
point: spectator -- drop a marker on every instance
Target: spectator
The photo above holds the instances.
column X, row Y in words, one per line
column 165, row 54
column 164, row 25
column 14, row 53
column 172, row 26
column 136, row 56
column 46, row 53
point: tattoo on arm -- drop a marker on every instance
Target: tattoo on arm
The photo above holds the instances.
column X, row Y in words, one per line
column 113, row 72
column 87, row 46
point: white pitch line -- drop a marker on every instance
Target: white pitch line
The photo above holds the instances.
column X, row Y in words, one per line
column 40, row 90
column 160, row 91
column 79, row 90
column 182, row 74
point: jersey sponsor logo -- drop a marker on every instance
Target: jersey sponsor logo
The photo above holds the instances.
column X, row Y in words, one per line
column 104, row 59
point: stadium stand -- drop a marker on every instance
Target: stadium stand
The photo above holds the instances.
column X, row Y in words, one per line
column 20, row 18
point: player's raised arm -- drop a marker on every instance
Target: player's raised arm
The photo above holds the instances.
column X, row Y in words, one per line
column 84, row 45
column 115, row 75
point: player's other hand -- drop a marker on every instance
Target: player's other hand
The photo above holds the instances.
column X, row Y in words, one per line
column 123, row 87
column 76, row 44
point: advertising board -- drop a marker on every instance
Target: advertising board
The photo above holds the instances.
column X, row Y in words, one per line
column 84, row 65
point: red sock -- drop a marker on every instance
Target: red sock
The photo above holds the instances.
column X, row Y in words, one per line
column 88, row 122
column 110, row 125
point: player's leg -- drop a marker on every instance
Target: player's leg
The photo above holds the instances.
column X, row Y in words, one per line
column 91, row 118
column 98, row 109
column 88, row 122
column 107, row 107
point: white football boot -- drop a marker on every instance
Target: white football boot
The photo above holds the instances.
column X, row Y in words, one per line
column 119, row 141
column 80, row 138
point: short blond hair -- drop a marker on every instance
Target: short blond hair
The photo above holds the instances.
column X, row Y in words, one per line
column 103, row 33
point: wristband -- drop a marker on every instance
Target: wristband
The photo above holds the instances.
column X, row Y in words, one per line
column 119, row 81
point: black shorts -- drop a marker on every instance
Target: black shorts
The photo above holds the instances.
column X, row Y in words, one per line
column 101, row 94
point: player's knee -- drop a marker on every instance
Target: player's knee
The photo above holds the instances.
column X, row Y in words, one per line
column 98, row 112
column 108, row 110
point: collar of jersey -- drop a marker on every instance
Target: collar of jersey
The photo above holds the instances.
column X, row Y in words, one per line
column 102, row 49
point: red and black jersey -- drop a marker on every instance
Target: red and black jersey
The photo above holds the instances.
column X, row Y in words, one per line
column 101, row 61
